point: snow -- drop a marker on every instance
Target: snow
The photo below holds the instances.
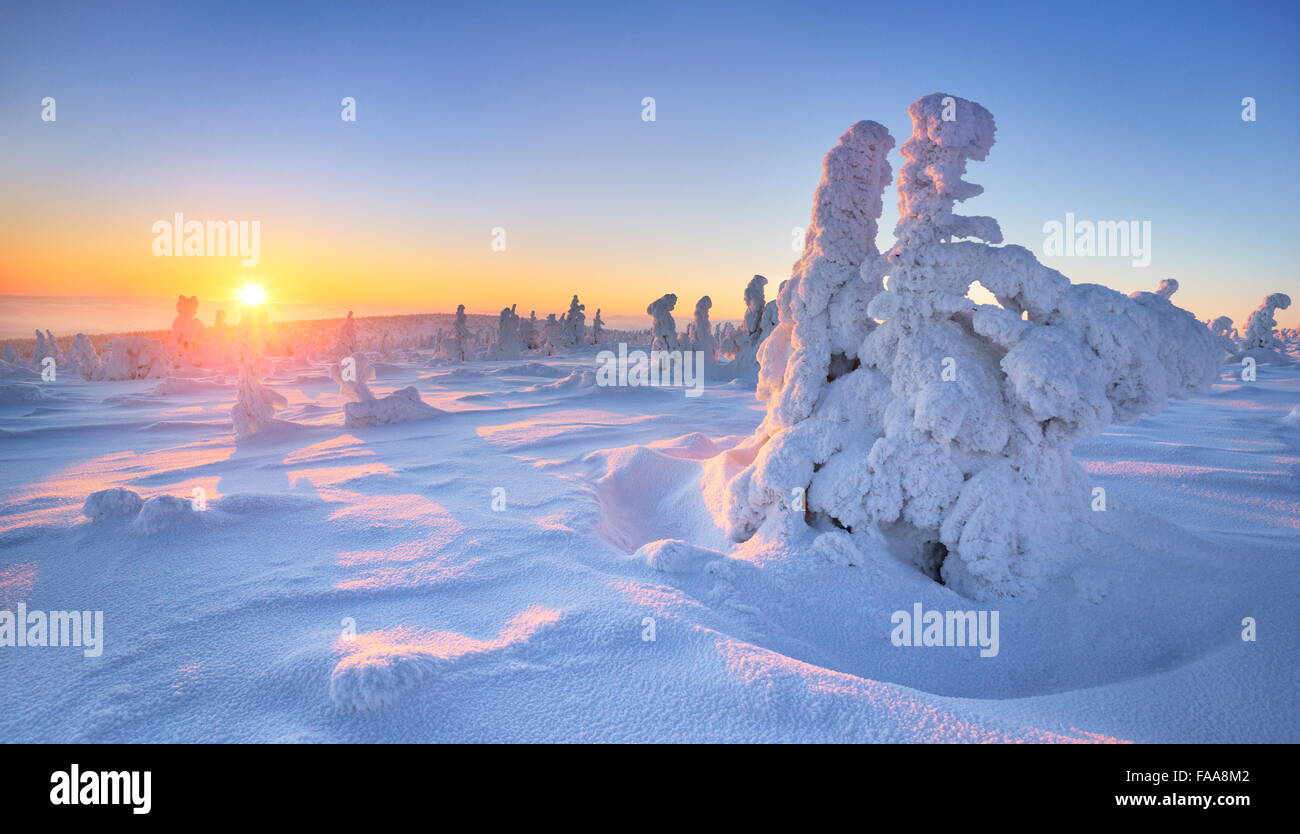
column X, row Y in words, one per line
column 343, row 546
column 527, row 623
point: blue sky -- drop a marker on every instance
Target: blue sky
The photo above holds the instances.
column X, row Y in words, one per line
column 472, row 116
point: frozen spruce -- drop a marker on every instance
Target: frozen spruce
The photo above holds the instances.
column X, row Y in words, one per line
column 820, row 405
column 1224, row 331
column 85, row 357
column 948, row 429
column 751, row 334
column 663, row 332
column 255, row 404
column 509, row 342
column 133, row 357
column 187, row 332
column 460, row 329
column 1261, row 339
column 574, row 324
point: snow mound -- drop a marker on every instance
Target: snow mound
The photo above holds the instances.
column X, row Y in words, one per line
column 11, row 370
column 115, row 504
column 680, row 558
column 152, row 516
column 379, row 667
column 163, row 512
column 459, row 373
column 186, row 385
column 22, row 392
column 530, row 369
column 402, row 406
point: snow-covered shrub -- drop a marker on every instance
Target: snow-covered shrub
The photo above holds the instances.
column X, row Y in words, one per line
column 163, row 512
column 133, row 357
column 402, row 406
column 115, row 504
column 663, row 328
column 949, row 429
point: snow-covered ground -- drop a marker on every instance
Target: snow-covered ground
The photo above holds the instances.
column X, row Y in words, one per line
column 502, row 566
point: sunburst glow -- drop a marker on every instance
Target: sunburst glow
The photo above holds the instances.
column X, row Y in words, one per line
column 251, row 295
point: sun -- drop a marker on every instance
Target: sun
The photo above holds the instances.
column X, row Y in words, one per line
column 251, row 295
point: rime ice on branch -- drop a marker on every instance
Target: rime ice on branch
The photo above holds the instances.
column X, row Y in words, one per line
column 948, row 429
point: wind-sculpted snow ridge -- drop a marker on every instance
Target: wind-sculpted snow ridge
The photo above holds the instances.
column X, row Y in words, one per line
column 380, row 666
column 948, row 428
column 23, row 392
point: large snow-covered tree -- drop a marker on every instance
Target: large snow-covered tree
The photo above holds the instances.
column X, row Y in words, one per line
column 948, row 427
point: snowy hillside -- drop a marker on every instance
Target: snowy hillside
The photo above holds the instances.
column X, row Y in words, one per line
column 538, row 561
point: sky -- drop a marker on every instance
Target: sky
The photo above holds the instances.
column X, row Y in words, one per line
column 529, row 118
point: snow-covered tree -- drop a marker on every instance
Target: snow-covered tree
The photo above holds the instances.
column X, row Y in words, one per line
column 597, row 328
column 528, row 332
column 551, row 337
column 574, row 324
column 1224, row 331
column 187, row 331
column 724, row 336
column 509, row 342
column 1262, row 323
column 85, row 357
column 699, row 333
column 255, row 404
column 663, row 328
column 133, row 357
column 817, row 407
column 949, row 429
column 460, row 332
column 751, row 336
